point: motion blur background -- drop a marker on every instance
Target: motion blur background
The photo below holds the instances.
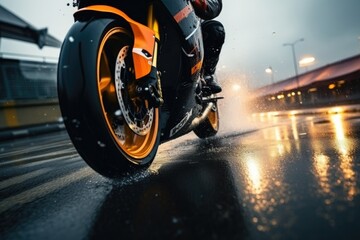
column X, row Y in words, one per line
column 256, row 31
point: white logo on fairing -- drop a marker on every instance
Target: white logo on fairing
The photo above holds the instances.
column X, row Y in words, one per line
column 180, row 124
column 142, row 53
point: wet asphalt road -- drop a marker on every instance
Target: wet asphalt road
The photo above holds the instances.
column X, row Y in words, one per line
column 286, row 177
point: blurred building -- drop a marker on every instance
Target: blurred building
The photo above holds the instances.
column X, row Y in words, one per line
column 28, row 92
column 331, row 85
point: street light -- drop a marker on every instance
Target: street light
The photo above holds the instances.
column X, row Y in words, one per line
column 269, row 70
column 306, row 61
column 292, row 45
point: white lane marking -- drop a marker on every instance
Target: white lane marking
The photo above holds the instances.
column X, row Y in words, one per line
column 65, row 159
column 32, row 148
column 22, row 178
column 28, row 159
column 44, row 189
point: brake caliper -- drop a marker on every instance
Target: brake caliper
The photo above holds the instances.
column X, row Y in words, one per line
column 149, row 88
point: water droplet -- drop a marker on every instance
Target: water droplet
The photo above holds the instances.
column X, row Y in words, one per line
column 175, row 220
column 101, row 144
column 71, row 39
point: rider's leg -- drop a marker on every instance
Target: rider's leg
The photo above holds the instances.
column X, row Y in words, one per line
column 214, row 36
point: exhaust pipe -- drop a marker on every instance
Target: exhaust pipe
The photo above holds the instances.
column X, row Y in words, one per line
column 203, row 116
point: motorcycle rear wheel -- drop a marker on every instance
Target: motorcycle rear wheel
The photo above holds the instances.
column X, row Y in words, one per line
column 113, row 129
column 210, row 126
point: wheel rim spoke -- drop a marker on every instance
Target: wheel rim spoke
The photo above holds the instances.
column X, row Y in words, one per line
column 119, row 103
column 213, row 119
column 105, row 74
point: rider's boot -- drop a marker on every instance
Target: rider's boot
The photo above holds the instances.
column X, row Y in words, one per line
column 209, row 73
column 212, row 83
column 214, row 36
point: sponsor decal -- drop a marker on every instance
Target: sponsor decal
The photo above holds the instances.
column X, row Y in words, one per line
column 184, row 13
column 181, row 124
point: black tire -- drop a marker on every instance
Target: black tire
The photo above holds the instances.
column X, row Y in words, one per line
column 111, row 127
column 210, row 126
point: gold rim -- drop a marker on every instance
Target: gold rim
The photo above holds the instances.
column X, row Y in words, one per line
column 213, row 119
column 136, row 146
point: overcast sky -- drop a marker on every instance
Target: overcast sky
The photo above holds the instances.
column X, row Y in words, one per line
column 257, row 30
column 255, row 33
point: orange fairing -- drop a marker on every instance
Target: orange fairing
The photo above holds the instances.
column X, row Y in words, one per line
column 144, row 40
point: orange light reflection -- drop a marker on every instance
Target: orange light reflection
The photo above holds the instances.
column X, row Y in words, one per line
column 343, row 144
column 333, row 172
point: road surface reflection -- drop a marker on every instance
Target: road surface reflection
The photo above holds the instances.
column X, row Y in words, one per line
column 304, row 170
column 294, row 176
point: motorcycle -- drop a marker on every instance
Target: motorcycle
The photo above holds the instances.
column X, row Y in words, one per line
column 130, row 78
